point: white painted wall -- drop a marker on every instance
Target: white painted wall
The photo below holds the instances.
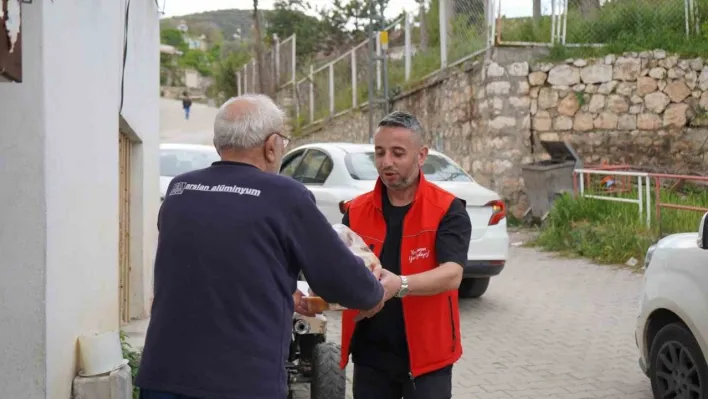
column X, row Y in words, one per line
column 59, row 152
column 23, row 221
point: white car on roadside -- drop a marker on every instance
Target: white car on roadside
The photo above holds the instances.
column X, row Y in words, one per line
column 338, row 172
column 672, row 326
column 176, row 159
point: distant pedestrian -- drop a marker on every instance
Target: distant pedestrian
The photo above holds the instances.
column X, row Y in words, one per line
column 186, row 104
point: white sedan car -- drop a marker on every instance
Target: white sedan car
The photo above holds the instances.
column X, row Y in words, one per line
column 176, row 159
column 672, row 326
column 338, row 172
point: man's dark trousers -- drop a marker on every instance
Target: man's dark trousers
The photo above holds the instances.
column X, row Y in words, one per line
column 370, row 383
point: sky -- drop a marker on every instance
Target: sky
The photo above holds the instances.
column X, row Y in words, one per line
column 510, row 8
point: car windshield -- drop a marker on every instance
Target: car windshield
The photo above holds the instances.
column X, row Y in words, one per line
column 174, row 162
column 436, row 168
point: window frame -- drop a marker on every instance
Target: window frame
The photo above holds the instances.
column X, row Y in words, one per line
column 319, row 169
column 291, row 157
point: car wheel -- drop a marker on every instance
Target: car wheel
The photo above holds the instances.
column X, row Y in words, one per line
column 473, row 287
column 677, row 367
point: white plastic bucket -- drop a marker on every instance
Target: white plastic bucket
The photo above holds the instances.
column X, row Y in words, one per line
column 100, row 353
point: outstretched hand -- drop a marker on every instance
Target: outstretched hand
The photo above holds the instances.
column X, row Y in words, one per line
column 301, row 305
column 391, row 284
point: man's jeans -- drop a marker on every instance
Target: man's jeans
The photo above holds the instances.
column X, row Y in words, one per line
column 148, row 394
column 186, row 113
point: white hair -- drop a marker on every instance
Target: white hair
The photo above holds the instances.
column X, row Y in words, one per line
column 249, row 125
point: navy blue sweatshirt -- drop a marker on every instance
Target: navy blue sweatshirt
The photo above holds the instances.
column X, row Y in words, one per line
column 231, row 244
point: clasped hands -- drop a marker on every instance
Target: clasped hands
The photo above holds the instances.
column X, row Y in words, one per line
column 390, row 282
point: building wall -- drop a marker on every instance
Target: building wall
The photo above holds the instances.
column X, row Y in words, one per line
column 141, row 111
column 60, row 152
column 22, row 221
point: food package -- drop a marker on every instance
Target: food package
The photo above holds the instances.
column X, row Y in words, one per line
column 359, row 248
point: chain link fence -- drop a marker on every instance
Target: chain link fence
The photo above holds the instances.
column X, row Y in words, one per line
column 277, row 70
column 466, row 28
column 625, row 24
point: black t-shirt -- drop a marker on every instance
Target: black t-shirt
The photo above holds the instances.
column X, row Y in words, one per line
column 380, row 342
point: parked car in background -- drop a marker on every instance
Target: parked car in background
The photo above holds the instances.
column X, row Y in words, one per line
column 672, row 326
column 338, row 172
column 176, row 159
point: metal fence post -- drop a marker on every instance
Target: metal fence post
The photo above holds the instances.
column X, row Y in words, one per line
column 238, row 83
column 245, row 78
column 331, row 88
column 276, row 46
column 354, row 90
column 378, row 64
column 443, row 32
column 254, row 70
column 640, row 197
column 312, row 93
column 293, row 57
column 648, row 198
column 407, row 45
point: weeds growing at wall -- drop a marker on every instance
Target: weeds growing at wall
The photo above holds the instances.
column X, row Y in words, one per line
column 133, row 355
column 612, row 232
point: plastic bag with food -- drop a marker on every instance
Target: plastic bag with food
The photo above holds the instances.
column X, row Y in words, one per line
column 359, row 248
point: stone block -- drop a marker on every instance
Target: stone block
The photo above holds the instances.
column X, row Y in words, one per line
column 677, row 91
column 564, row 75
column 656, row 102
column 675, row 115
column 537, row 78
column 646, row 85
column 627, row 69
column 117, row 384
column 547, row 98
column 518, row 69
column 597, row 73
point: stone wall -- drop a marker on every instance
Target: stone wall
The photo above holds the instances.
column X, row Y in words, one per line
column 648, row 109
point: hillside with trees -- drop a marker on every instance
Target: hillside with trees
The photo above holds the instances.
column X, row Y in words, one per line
column 226, row 42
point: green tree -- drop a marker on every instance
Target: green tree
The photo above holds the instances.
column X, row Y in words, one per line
column 173, row 37
column 224, row 72
column 289, row 18
column 198, row 60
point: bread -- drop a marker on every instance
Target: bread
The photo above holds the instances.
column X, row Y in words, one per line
column 359, row 248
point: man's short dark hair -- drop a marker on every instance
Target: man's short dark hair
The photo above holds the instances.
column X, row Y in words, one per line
column 405, row 120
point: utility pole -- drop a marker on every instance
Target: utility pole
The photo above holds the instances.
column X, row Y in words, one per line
column 378, row 63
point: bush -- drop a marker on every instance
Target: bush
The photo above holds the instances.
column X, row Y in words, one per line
column 612, row 232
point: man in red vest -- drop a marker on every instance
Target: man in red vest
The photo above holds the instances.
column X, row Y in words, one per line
column 421, row 233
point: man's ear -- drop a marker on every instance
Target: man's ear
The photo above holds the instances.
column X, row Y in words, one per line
column 269, row 152
column 422, row 155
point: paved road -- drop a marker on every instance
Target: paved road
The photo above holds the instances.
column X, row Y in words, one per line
column 175, row 129
column 548, row 328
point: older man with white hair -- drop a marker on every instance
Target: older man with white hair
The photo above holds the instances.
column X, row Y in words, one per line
column 233, row 239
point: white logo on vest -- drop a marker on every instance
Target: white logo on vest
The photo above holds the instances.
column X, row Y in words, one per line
column 420, row 253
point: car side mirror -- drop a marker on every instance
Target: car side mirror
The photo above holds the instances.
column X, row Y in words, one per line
column 703, row 232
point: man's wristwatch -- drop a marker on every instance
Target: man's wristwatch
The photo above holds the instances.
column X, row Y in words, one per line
column 403, row 291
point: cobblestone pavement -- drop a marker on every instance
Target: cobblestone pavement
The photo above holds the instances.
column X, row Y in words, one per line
column 548, row 327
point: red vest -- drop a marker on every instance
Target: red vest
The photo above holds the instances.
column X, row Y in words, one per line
column 432, row 322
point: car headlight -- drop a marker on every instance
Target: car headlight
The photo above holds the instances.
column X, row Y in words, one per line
column 647, row 257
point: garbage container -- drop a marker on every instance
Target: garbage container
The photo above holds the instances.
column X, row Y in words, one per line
column 546, row 179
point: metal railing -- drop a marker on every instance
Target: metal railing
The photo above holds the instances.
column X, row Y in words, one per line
column 659, row 204
column 643, row 188
column 643, row 200
column 445, row 33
